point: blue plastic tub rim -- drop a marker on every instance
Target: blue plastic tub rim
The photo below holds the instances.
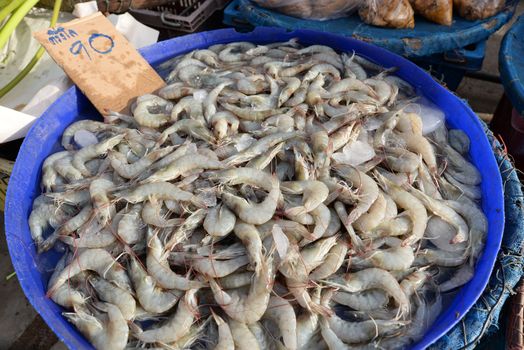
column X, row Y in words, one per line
column 44, row 138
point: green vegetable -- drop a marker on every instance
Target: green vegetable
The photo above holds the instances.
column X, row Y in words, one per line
column 21, row 75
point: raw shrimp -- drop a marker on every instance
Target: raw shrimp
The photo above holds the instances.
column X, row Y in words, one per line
column 81, row 157
column 313, row 194
column 99, row 189
column 177, row 325
column 243, row 338
column 367, row 190
column 250, row 237
column 365, row 300
column 370, row 279
column 49, row 174
column 225, row 338
column 97, row 260
column 218, row 268
column 89, row 125
column 251, row 307
column 159, row 190
column 251, row 213
column 183, row 165
column 151, row 297
column 446, row 213
column 282, row 313
column 129, row 171
column 413, row 208
column 110, row 293
column 219, row 221
column 158, row 267
column 333, row 261
column 153, row 112
column 107, row 331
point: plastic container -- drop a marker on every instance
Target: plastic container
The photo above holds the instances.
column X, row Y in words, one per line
column 451, row 66
column 181, row 15
column 44, row 138
column 233, row 17
column 508, row 120
column 426, row 39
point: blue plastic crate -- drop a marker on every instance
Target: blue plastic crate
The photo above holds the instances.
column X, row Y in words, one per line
column 450, row 67
column 233, row 17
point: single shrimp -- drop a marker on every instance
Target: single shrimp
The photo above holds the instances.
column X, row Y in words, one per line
column 478, row 226
column 373, row 217
column 321, row 217
column 313, row 194
column 225, row 337
column 223, row 123
column 367, row 187
column 89, row 125
column 151, row 215
column 373, row 278
column 359, row 332
column 99, row 190
column 194, row 128
column 175, row 91
column 159, row 190
column 393, row 258
column 263, row 160
column 177, row 325
column 219, row 221
column 64, row 295
column 99, row 261
column 107, row 331
column 184, row 231
column 128, row 171
column 333, row 261
column 243, row 338
column 183, row 165
column 158, row 267
column 282, row 313
column 236, row 280
column 307, row 323
column 152, row 112
column 43, row 215
column 93, row 238
column 251, row 213
column 251, row 307
column 64, row 167
column 415, row 210
column 446, row 213
column 49, row 174
column 250, row 237
column 93, row 151
column 366, row 300
column 130, row 226
column 292, row 85
column 110, row 293
column 340, row 209
column 218, row 268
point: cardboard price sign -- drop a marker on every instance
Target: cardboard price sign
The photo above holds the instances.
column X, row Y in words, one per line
column 101, row 62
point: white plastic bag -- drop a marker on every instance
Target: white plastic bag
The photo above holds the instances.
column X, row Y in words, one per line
column 478, row 9
column 312, row 9
column 388, row 13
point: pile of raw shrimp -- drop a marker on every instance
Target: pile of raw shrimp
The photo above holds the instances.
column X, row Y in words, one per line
column 270, row 196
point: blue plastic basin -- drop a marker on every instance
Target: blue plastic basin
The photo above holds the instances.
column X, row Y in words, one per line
column 44, row 138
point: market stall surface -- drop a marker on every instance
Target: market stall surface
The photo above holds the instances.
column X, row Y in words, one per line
column 21, row 326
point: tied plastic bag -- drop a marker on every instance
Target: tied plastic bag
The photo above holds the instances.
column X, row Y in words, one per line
column 312, row 9
column 438, row 11
column 478, row 9
column 388, row 13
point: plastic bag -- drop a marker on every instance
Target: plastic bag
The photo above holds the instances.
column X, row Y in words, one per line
column 312, row 9
column 478, row 9
column 438, row 11
column 388, row 13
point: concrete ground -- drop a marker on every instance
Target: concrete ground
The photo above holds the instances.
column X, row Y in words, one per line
column 22, row 328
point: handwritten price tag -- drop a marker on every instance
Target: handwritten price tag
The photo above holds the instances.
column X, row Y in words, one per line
column 101, row 62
